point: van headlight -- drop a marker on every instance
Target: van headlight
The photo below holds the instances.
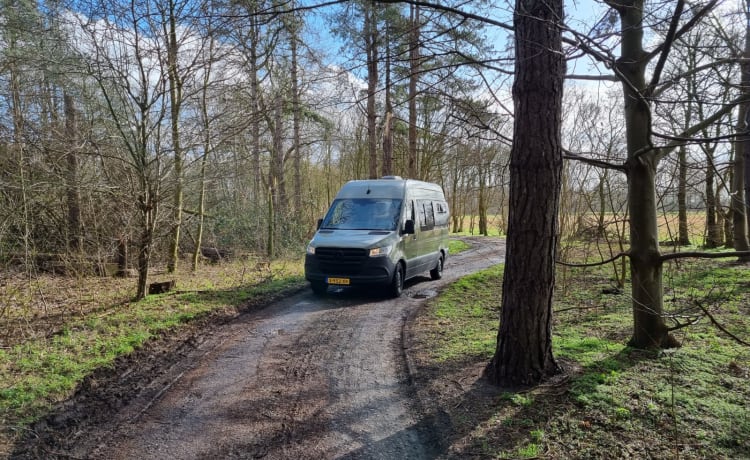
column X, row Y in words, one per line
column 381, row 251
column 311, row 249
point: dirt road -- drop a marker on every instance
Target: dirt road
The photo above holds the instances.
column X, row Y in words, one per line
column 307, row 377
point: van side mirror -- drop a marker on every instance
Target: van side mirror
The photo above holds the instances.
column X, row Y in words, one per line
column 320, row 222
column 409, row 227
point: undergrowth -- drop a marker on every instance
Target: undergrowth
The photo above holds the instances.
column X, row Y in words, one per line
column 615, row 402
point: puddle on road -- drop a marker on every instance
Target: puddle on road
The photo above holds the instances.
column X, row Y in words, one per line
column 424, row 294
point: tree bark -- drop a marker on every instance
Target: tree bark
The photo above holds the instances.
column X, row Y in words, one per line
column 371, row 45
column 713, row 230
column 683, row 235
column 296, row 108
column 75, row 237
column 741, row 187
column 175, row 101
column 649, row 328
column 524, row 347
column 413, row 77
column 387, row 167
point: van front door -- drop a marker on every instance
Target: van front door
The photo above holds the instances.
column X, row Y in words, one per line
column 410, row 242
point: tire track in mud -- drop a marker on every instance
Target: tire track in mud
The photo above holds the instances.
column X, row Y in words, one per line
column 306, row 377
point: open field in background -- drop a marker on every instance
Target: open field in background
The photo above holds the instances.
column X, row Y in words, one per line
column 614, row 402
column 584, row 226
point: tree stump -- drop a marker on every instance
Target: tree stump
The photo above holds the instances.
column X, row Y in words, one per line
column 161, row 287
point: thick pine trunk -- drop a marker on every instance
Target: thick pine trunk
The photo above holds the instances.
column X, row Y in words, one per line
column 524, row 347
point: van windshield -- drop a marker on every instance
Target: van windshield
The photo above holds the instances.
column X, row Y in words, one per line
column 363, row 214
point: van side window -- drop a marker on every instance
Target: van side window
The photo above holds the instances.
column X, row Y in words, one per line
column 409, row 213
column 426, row 215
column 441, row 216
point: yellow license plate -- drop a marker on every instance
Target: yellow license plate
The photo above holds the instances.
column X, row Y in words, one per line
column 341, row 281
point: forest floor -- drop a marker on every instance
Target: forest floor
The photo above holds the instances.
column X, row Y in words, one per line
column 610, row 401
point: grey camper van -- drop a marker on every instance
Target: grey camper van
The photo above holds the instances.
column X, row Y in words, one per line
column 379, row 232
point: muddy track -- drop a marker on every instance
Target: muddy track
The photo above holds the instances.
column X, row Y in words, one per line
column 305, row 377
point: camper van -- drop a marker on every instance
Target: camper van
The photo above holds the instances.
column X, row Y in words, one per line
column 379, row 233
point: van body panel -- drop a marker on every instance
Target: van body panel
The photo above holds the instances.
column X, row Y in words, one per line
column 361, row 239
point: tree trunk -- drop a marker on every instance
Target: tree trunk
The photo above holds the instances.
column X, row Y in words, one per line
column 75, row 236
column 204, row 159
column 524, row 347
column 175, row 101
column 649, row 328
column 741, row 190
column 255, row 109
column 413, row 77
column 387, row 167
column 371, row 44
column 713, row 231
column 296, row 119
column 683, row 233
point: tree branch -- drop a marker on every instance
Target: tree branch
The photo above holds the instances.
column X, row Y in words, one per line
column 456, row 11
column 719, row 326
column 666, row 47
column 593, row 264
column 593, row 77
column 664, row 151
column 568, row 155
column 702, row 255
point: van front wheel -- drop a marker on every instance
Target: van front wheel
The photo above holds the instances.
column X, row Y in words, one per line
column 318, row 288
column 437, row 272
column 397, row 283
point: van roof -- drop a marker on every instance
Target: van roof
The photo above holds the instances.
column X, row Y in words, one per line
column 385, row 188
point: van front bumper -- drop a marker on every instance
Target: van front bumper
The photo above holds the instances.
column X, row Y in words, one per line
column 367, row 271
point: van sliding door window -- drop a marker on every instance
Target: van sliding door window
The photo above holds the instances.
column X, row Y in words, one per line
column 426, row 215
column 441, row 218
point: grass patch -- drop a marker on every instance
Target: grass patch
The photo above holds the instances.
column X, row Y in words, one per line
column 460, row 315
column 690, row 402
column 456, row 246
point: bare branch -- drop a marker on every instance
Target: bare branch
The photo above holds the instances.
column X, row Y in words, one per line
column 592, row 77
column 456, row 11
column 719, row 326
column 703, row 255
column 568, row 155
column 685, row 29
column 593, row 264
column 663, row 151
column 666, row 47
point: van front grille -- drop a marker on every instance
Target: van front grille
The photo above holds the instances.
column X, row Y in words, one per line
column 340, row 260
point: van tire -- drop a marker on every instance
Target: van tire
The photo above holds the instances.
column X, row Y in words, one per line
column 397, row 283
column 319, row 288
column 437, row 272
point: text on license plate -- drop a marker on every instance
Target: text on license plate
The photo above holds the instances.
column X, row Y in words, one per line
column 344, row 281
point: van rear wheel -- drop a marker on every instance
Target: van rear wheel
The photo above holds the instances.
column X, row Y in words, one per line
column 397, row 283
column 437, row 272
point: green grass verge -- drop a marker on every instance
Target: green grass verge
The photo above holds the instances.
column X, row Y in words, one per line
column 690, row 402
column 37, row 373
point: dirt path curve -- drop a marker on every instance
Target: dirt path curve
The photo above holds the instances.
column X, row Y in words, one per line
column 306, row 377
